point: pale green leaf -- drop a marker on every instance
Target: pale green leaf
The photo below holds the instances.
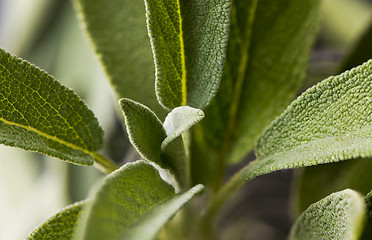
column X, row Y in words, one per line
column 132, row 196
column 117, row 29
column 37, row 113
column 330, row 122
column 267, row 58
column 189, row 40
column 151, row 222
column 341, row 216
column 145, row 130
column 315, row 182
column 59, row 227
column 179, row 121
column 176, row 123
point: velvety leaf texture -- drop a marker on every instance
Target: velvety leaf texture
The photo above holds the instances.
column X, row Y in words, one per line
column 133, row 196
column 189, row 40
column 59, row 227
column 339, row 216
column 262, row 73
column 331, row 121
column 37, row 113
column 145, row 130
column 117, row 29
column 151, row 222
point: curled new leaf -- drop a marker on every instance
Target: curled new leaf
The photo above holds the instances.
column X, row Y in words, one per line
column 339, row 216
column 37, row 113
column 330, row 122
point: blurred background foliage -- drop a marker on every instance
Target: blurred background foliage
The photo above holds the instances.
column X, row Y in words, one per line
column 47, row 33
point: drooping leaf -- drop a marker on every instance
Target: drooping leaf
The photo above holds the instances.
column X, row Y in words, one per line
column 341, row 216
column 262, row 74
column 118, row 32
column 133, row 196
column 317, row 182
column 59, row 227
column 37, row 113
column 330, row 122
column 178, row 121
column 189, row 40
column 151, row 222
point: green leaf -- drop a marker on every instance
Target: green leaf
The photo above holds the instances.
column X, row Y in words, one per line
column 331, row 121
column 151, row 222
column 118, row 32
column 59, row 227
column 311, row 181
column 37, row 113
column 163, row 146
column 133, row 196
column 338, row 216
column 145, row 130
column 179, row 121
column 266, row 61
column 189, row 40
column 368, row 199
column 176, row 123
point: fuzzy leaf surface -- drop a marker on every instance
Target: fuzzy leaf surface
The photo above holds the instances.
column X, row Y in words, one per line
column 189, row 40
column 261, row 75
column 59, row 227
column 130, row 197
column 341, row 216
column 117, row 30
column 39, row 114
column 330, row 122
column 178, row 121
column 151, row 222
column 145, row 130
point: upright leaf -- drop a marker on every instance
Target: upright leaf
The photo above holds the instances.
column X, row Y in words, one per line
column 339, row 216
column 131, row 198
column 267, row 57
column 145, row 130
column 330, row 122
column 59, row 227
column 117, row 29
column 189, row 40
column 37, row 113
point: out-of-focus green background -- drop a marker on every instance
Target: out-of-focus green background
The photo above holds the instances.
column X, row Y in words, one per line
column 46, row 33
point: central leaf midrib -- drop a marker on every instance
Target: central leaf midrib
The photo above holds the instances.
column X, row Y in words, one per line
column 47, row 136
column 183, row 61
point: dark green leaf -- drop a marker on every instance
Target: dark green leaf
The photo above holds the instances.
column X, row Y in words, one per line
column 316, row 182
column 133, row 196
column 59, row 227
column 189, row 40
column 117, row 29
column 338, row 216
column 37, row 113
column 266, row 61
column 330, row 122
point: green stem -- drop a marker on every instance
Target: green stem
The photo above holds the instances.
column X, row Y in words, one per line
column 104, row 164
column 222, row 196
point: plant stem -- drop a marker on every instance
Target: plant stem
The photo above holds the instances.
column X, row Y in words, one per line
column 222, row 196
column 104, row 164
